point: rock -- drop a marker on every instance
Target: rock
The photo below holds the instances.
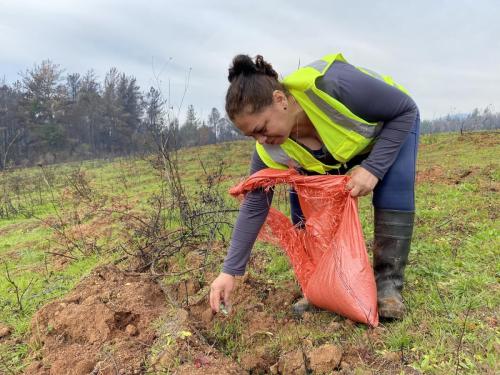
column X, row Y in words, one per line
column 392, row 356
column 166, row 358
column 324, row 359
column 72, row 299
column 207, row 315
column 4, row 331
column 84, row 367
column 292, row 363
column 307, row 316
column 346, row 367
column 307, row 344
column 250, row 362
column 35, row 368
column 334, row 326
column 187, row 288
column 257, row 361
column 182, row 316
column 131, row 330
column 274, row 368
column 349, row 323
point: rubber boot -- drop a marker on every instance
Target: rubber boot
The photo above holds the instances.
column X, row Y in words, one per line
column 393, row 231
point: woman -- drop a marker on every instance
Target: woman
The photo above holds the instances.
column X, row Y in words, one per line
column 328, row 117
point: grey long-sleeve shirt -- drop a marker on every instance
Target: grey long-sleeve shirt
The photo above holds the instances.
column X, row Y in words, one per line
column 365, row 96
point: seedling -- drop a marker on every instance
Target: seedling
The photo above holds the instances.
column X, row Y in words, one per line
column 223, row 309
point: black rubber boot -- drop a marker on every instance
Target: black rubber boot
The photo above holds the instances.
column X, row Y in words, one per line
column 393, row 231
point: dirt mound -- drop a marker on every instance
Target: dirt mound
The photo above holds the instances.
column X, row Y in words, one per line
column 116, row 322
column 102, row 325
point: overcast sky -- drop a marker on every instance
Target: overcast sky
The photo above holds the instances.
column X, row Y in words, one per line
column 447, row 53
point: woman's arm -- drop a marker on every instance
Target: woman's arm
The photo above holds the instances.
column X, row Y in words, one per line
column 252, row 215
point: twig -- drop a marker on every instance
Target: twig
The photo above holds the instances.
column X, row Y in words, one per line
column 459, row 346
column 441, row 297
column 19, row 293
column 444, row 223
column 62, row 255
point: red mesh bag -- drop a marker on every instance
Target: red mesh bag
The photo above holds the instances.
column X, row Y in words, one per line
column 328, row 256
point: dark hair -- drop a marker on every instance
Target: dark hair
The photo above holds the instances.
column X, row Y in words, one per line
column 252, row 84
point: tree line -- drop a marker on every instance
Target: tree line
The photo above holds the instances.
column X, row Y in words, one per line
column 478, row 119
column 47, row 116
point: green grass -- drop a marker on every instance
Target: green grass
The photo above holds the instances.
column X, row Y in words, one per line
column 451, row 285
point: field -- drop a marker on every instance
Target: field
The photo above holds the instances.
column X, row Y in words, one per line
column 103, row 272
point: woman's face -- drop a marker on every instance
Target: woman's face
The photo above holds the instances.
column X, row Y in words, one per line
column 271, row 125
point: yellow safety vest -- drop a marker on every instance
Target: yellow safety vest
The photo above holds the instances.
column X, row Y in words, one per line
column 344, row 134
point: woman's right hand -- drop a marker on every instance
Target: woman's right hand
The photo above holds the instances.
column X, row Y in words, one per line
column 221, row 289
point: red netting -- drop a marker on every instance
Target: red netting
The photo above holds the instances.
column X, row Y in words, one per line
column 329, row 255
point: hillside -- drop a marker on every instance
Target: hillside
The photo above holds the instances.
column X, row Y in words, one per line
column 99, row 275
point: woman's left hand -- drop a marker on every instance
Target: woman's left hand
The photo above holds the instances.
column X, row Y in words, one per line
column 361, row 183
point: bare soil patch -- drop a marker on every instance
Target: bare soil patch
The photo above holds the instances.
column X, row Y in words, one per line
column 438, row 174
column 110, row 323
column 104, row 324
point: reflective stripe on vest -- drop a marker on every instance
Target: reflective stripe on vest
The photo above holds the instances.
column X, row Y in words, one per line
column 319, row 65
column 276, row 156
column 367, row 131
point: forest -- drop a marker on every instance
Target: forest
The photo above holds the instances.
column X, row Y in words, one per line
column 48, row 117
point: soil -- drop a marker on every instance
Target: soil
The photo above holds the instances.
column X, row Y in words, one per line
column 118, row 322
column 102, row 325
column 483, row 176
column 110, row 323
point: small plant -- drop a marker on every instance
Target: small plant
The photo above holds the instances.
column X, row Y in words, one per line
column 226, row 334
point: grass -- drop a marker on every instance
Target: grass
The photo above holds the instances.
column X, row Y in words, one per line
column 451, row 287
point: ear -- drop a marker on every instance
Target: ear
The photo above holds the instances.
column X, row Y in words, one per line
column 279, row 97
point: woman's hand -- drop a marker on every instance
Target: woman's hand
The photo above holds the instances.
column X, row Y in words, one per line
column 361, row 183
column 221, row 288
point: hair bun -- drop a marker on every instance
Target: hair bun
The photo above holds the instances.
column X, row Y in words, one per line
column 243, row 64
